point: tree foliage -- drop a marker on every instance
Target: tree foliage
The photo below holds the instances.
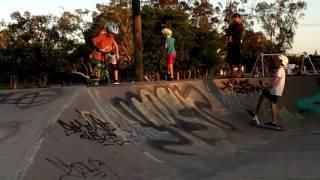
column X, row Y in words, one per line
column 35, row 48
column 280, row 19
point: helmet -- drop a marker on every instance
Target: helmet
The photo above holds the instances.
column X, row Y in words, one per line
column 284, row 60
column 112, row 27
column 167, row 32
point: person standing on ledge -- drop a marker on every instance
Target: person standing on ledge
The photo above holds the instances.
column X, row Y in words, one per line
column 107, row 49
column 170, row 51
column 233, row 43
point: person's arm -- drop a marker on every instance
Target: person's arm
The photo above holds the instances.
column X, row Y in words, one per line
column 274, row 81
column 229, row 40
column 164, row 47
column 94, row 41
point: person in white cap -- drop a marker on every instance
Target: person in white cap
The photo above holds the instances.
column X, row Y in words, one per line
column 169, row 47
column 275, row 87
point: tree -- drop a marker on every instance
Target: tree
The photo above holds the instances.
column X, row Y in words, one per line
column 195, row 46
column 202, row 14
column 280, row 19
column 28, row 51
column 253, row 44
column 37, row 46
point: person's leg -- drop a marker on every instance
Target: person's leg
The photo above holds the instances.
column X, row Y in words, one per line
column 116, row 77
column 235, row 60
column 115, row 74
column 114, row 68
column 171, row 70
column 274, row 112
column 98, row 70
column 171, row 58
column 237, row 71
column 168, row 69
column 231, row 73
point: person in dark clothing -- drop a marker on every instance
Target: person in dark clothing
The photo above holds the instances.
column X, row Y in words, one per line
column 233, row 43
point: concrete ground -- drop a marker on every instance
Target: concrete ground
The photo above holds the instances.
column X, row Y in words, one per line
column 160, row 130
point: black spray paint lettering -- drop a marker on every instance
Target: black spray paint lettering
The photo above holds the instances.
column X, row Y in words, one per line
column 94, row 129
column 83, row 170
column 180, row 112
column 28, row 99
column 240, row 87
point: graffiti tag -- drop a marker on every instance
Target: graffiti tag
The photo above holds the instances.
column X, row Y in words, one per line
column 181, row 113
column 28, row 99
column 92, row 127
column 84, row 170
column 239, row 86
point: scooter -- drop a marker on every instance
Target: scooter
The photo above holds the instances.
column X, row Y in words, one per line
column 255, row 119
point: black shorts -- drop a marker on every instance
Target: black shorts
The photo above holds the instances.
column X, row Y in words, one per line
column 233, row 54
column 270, row 97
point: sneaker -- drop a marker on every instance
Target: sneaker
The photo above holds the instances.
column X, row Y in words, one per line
column 271, row 124
column 170, row 79
column 116, row 82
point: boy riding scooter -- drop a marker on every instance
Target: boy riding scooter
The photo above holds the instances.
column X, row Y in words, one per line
column 273, row 91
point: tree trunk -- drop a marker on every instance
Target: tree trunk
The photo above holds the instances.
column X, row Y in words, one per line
column 137, row 39
column 13, row 82
column 207, row 73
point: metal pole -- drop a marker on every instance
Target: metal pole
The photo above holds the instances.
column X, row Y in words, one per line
column 255, row 64
column 262, row 64
column 314, row 69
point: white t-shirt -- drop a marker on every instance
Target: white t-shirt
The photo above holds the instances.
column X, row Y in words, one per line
column 278, row 88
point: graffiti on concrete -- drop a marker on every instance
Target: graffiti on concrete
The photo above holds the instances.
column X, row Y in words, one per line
column 83, row 170
column 310, row 104
column 91, row 126
column 28, row 99
column 238, row 95
column 181, row 113
column 239, row 86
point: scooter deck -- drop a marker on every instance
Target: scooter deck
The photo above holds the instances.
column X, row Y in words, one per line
column 256, row 123
column 263, row 126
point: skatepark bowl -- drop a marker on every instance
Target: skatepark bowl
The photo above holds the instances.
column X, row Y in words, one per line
column 177, row 130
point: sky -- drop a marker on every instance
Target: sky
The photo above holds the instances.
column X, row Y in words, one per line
column 307, row 37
